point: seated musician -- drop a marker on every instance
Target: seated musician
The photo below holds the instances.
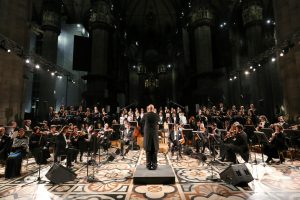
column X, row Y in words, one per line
column 82, row 143
column 263, row 123
column 27, row 125
column 201, row 137
column 282, row 122
column 277, row 144
column 74, row 145
column 20, row 143
column 238, row 145
column 214, row 138
column 62, row 146
column 5, row 144
column 37, row 146
column 126, row 136
column 176, row 140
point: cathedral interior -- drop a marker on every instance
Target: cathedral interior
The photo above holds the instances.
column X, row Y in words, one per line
column 118, row 54
column 141, row 51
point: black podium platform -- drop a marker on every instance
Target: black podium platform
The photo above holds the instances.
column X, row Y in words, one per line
column 162, row 175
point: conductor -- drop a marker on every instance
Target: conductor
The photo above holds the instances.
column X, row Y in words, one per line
column 151, row 143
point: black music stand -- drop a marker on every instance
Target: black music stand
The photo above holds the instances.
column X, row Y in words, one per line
column 116, row 128
column 262, row 139
column 133, row 123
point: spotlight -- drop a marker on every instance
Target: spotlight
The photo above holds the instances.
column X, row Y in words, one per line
column 221, row 25
column 281, row 54
column 230, row 79
column 259, row 64
column 137, row 43
column 8, row 50
column 27, row 61
column 169, row 66
column 37, row 66
column 52, row 74
column 234, row 77
column 246, row 72
column 134, row 66
column 254, row 69
column 251, row 67
column 273, row 59
column 78, row 25
column 268, row 21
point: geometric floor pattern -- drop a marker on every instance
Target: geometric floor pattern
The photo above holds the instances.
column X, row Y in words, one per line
column 115, row 181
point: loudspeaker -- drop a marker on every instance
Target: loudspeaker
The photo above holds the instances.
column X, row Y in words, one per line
column 236, row 174
column 59, row 174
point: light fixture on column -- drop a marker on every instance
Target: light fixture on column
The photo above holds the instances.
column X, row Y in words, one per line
column 281, row 54
column 273, row 59
column 8, row 50
column 37, row 66
column 27, row 61
column 246, row 72
column 52, row 73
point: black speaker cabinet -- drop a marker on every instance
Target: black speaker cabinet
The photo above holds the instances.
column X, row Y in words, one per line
column 236, row 174
column 59, row 174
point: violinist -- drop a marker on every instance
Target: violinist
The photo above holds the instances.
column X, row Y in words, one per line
column 62, row 146
column 277, row 143
column 263, row 123
column 176, row 140
column 37, row 146
column 201, row 137
column 238, row 145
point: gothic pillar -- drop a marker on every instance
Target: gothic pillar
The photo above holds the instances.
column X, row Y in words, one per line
column 101, row 23
column 200, row 21
column 14, row 18
column 51, row 26
column 287, row 25
column 252, row 17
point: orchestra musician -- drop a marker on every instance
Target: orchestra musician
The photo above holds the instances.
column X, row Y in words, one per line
column 263, row 123
column 82, row 143
column 176, row 140
column 126, row 136
column 238, row 145
column 201, row 137
column 276, row 144
column 282, row 122
column 37, row 146
column 20, row 143
column 151, row 142
column 62, row 146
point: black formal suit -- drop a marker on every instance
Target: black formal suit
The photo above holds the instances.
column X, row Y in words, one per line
column 61, row 149
column 36, row 146
column 151, row 142
column 175, row 143
column 240, row 146
column 276, row 145
column 5, row 146
column 127, row 138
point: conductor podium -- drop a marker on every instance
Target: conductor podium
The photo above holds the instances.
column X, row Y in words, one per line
column 162, row 175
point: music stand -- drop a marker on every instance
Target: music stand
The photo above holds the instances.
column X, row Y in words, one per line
column 133, row 124
column 262, row 139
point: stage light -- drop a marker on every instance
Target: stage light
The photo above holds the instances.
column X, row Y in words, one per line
column 259, row 64
column 169, row 66
column 137, row 43
column 78, row 25
column 254, row 69
column 52, row 73
column 37, row 66
column 273, row 59
column 246, row 72
column 251, row 67
column 281, row 54
column 8, row 50
column 224, row 23
column 134, row 66
column 221, row 25
column 234, row 77
column 268, row 21
column 27, row 61
column 230, row 79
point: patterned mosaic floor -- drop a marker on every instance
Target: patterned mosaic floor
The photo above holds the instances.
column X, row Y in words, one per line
column 115, row 181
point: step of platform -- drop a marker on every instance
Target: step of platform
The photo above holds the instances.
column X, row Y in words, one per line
column 162, row 175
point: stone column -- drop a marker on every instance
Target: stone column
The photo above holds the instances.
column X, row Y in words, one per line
column 200, row 21
column 252, row 14
column 287, row 25
column 51, row 22
column 14, row 18
column 101, row 24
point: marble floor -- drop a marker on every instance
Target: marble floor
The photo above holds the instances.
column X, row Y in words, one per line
column 277, row 181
